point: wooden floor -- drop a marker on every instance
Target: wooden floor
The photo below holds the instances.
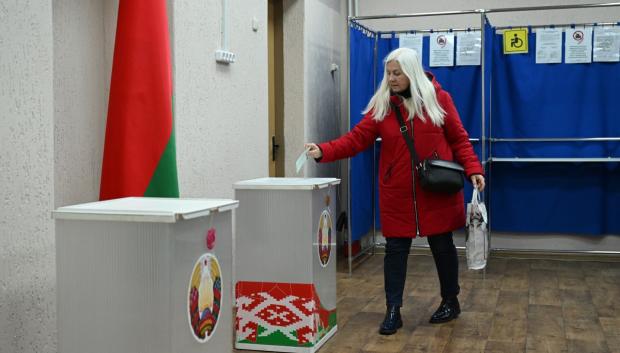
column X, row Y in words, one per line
column 518, row 305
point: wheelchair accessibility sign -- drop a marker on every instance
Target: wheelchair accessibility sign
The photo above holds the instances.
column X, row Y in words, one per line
column 515, row 41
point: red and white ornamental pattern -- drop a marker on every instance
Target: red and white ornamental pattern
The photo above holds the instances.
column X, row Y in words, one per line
column 291, row 315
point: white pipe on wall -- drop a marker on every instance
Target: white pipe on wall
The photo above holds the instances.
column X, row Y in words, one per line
column 224, row 39
column 222, row 55
column 352, row 8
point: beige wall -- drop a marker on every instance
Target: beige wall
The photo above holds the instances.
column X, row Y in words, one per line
column 81, row 78
column 27, row 302
column 294, row 82
column 220, row 110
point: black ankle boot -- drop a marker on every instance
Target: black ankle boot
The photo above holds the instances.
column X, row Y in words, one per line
column 448, row 310
column 392, row 321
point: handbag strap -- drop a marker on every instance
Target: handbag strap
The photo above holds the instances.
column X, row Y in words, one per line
column 403, row 131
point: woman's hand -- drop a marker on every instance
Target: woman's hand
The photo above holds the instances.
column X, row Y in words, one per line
column 314, row 152
column 478, row 181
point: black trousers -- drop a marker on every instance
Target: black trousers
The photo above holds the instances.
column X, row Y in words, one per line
column 395, row 266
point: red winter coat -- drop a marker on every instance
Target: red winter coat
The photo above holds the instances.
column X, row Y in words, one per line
column 437, row 213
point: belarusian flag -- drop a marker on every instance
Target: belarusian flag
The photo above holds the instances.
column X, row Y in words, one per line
column 139, row 157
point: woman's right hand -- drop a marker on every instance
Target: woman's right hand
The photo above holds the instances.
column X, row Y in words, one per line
column 314, row 150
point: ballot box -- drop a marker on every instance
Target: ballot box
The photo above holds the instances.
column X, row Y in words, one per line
column 285, row 263
column 145, row 275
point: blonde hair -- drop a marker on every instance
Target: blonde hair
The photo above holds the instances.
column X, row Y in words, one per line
column 423, row 98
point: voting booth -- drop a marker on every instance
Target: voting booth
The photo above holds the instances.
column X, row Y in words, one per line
column 540, row 108
column 145, row 275
column 285, row 263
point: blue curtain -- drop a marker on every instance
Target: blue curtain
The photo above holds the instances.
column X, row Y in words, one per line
column 532, row 100
column 553, row 100
column 525, row 99
column 571, row 198
column 361, row 90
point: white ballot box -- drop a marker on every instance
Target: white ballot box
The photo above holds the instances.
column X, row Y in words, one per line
column 285, row 263
column 145, row 275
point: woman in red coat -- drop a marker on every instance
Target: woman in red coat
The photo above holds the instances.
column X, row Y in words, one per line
column 437, row 131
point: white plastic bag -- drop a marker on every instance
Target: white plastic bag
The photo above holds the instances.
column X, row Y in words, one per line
column 476, row 233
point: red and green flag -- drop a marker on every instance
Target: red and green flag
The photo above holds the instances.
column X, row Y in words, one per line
column 139, row 157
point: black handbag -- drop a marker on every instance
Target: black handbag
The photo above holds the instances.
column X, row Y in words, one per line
column 436, row 175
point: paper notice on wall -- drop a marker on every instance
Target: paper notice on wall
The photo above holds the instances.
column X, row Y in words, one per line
column 442, row 49
column 412, row 41
column 578, row 45
column 606, row 46
column 548, row 46
column 468, row 48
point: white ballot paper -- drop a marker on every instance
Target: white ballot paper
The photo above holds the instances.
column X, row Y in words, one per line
column 578, row 45
column 548, row 46
column 606, row 44
column 412, row 41
column 301, row 160
column 442, row 49
column 468, row 45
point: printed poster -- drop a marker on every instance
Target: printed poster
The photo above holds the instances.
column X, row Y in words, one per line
column 606, row 46
column 412, row 41
column 578, row 45
column 441, row 49
column 468, row 48
column 549, row 46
